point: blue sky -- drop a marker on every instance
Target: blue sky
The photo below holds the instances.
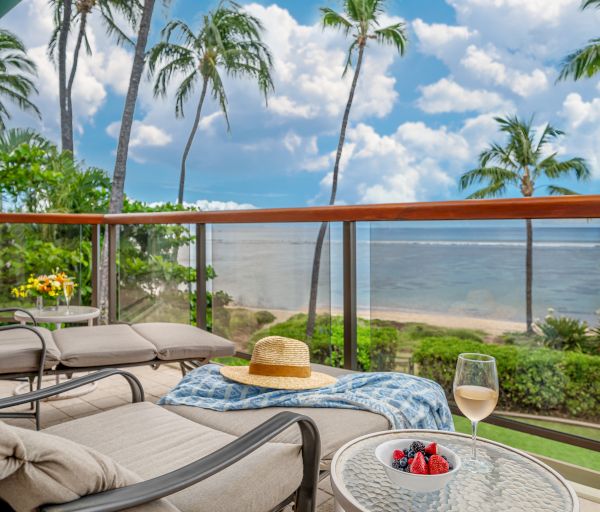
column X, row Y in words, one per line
column 417, row 123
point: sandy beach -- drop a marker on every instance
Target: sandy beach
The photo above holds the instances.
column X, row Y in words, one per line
column 491, row 326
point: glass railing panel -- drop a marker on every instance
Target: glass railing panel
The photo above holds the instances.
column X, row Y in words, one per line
column 442, row 288
column 263, row 282
column 31, row 250
column 156, row 273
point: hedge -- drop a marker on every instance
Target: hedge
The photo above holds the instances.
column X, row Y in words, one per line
column 531, row 379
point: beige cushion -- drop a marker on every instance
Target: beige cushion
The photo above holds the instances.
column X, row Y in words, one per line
column 20, row 350
column 180, row 341
column 151, row 441
column 336, row 426
column 102, row 345
column 38, row 468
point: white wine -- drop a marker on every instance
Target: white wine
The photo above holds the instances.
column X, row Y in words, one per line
column 476, row 402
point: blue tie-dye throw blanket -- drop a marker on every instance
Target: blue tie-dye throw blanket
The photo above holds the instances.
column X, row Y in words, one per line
column 407, row 402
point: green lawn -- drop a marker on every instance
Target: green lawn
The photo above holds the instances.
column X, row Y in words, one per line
column 533, row 444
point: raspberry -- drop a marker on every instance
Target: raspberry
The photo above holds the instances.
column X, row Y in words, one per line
column 398, row 454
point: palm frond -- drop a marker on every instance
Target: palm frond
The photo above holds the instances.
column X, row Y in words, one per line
column 496, row 189
column 351, row 51
column 491, row 175
column 555, row 190
column 590, row 3
column 333, row 19
column 582, row 63
column 394, row 35
column 549, row 133
column 554, row 169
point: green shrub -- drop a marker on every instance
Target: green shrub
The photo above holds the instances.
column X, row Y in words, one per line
column 264, row 317
column 563, row 333
column 537, row 380
column 377, row 343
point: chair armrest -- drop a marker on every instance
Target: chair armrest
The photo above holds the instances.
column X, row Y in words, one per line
column 159, row 487
column 20, row 310
column 137, row 391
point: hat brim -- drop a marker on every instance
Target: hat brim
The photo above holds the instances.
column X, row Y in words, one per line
column 242, row 375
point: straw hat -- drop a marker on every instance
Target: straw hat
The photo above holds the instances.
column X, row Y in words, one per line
column 279, row 363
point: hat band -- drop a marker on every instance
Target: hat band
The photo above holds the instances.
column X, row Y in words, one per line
column 279, row 370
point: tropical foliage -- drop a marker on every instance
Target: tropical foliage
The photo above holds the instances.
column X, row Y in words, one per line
column 360, row 20
column 228, row 43
column 585, row 62
column 17, row 72
column 525, row 159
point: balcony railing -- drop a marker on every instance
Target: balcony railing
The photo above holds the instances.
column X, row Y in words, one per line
column 366, row 254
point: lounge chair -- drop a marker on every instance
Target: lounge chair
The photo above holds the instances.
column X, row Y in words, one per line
column 31, row 352
column 336, row 426
column 197, row 468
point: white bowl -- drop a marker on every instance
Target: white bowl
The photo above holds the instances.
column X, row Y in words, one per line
column 418, row 483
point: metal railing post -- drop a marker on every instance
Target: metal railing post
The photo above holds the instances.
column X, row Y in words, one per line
column 112, row 273
column 95, row 264
column 201, row 310
column 350, row 314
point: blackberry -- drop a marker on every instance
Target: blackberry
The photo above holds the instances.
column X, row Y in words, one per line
column 417, row 446
column 396, row 464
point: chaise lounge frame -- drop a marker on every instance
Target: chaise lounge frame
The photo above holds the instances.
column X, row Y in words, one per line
column 195, row 472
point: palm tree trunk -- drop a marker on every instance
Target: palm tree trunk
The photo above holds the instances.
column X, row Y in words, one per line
column 65, row 23
column 118, row 181
column 188, row 145
column 529, row 277
column 314, row 281
column 69, row 90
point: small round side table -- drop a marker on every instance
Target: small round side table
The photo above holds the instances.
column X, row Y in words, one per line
column 76, row 315
column 517, row 483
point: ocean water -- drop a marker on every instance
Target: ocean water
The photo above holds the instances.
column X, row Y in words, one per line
column 469, row 269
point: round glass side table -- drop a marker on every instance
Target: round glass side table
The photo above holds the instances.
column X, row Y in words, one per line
column 517, row 483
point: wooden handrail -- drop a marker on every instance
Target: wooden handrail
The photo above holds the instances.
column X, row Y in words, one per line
column 564, row 207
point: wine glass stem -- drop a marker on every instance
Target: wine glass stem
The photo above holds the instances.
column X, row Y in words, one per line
column 474, row 438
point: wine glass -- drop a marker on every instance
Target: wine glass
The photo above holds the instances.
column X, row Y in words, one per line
column 68, row 288
column 476, row 394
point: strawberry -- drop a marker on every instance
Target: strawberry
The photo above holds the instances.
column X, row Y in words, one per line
column 419, row 466
column 431, row 449
column 438, row 465
column 410, row 461
column 398, row 454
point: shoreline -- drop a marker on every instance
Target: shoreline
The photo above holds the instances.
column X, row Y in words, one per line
column 491, row 326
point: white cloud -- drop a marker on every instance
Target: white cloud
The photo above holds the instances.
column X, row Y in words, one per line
column 447, row 96
column 486, row 66
column 308, row 66
column 142, row 135
column 207, row 122
column 284, row 106
column 443, row 41
column 577, row 111
column 211, row 205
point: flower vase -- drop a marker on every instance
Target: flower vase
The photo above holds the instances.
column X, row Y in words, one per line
column 55, row 306
column 39, row 303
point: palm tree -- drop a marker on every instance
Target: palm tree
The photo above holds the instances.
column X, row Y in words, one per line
column 16, row 76
column 228, row 42
column 584, row 62
column 58, row 43
column 521, row 162
column 360, row 20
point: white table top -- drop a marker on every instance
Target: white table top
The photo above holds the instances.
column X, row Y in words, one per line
column 76, row 314
column 518, row 482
